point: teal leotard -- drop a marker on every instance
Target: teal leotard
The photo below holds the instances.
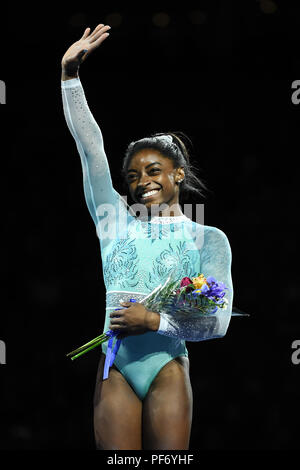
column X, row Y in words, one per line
column 138, row 254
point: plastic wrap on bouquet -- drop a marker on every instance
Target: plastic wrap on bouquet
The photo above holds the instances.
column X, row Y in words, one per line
column 190, row 329
column 186, row 313
column 192, row 318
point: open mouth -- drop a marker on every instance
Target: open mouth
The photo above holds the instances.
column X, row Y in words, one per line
column 149, row 194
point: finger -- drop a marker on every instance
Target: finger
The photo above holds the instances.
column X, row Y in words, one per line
column 97, row 43
column 85, row 34
column 99, row 34
column 98, row 27
column 116, row 321
column 117, row 327
column 118, row 313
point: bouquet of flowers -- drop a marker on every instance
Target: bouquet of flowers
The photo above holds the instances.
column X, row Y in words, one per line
column 189, row 296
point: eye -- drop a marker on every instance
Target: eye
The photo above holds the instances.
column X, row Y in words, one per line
column 130, row 177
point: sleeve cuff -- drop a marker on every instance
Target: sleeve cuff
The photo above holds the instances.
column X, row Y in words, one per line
column 70, row 83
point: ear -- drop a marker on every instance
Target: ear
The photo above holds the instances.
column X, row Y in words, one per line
column 179, row 175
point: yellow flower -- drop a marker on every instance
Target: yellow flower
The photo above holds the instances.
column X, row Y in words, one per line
column 199, row 281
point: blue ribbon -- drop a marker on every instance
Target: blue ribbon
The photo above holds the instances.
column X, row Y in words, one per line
column 111, row 353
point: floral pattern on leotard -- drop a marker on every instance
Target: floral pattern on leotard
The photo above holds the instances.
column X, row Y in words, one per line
column 156, row 232
column 120, row 267
column 169, row 259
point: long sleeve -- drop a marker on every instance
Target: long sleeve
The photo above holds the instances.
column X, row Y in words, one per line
column 215, row 261
column 100, row 196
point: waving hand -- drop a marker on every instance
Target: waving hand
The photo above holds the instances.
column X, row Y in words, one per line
column 80, row 50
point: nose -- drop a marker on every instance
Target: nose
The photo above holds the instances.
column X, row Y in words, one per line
column 144, row 178
column 143, row 182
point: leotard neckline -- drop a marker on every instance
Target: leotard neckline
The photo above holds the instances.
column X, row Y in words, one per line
column 164, row 220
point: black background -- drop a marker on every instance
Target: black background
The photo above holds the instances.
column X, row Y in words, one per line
column 220, row 72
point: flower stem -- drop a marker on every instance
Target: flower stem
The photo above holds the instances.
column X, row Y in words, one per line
column 85, row 350
column 90, row 343
column 91, row 347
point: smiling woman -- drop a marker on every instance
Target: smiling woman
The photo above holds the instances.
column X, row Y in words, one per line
column 172, row 159
column 146, row 400
column 153, row 180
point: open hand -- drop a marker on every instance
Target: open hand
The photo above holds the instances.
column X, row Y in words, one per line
column 80, row 50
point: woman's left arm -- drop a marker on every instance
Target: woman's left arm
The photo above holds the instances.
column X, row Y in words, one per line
column 215, row 258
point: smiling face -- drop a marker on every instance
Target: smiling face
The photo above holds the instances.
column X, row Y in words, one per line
column 150, row 172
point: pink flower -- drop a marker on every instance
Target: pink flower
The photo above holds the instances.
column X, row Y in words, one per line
column 185, row 281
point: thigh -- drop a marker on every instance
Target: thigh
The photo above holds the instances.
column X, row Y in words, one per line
column 117, row 412
column 168, row 408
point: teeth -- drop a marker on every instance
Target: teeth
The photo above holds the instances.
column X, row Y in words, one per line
column 150, row 193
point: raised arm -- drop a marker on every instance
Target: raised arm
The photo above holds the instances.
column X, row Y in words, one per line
column 216, row 262
column 98, row 187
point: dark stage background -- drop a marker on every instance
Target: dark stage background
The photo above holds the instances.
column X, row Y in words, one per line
column 222, row 73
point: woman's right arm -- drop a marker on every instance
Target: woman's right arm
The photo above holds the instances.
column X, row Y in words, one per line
column 98, row 188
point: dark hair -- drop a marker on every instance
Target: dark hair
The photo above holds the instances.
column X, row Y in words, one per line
column 175, row 149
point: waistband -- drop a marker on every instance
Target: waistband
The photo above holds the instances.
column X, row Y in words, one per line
column 114, row 297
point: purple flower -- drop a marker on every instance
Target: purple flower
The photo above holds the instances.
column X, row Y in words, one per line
column 213, row 290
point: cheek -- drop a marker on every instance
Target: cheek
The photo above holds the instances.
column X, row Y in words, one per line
column 170, row 181
column 131, row 190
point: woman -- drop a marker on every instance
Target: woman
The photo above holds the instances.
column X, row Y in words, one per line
column 146, row 401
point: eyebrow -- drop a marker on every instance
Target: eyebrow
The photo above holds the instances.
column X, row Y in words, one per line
column 150, row 164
